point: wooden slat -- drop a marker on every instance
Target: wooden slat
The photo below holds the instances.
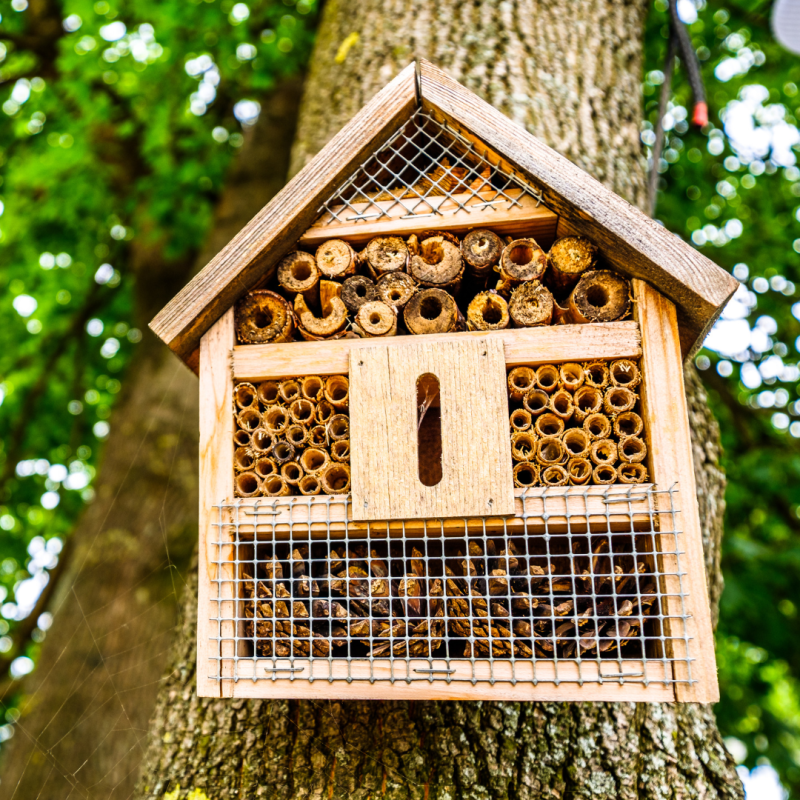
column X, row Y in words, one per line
column 670, row 450
column 216, row 482
column 528, row 218
column 254, row 252
column 552, row 344
column 632, row 242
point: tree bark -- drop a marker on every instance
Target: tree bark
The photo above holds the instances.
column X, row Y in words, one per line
column 569, row 71
column 87, row 705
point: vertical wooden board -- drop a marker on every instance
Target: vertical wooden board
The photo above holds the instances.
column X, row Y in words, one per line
column 666, row 419
column 216, row 484
column 476, row 451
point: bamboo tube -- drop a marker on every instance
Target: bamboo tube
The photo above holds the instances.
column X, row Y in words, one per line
column 632, row 473
column 520, row 381
column 624, row 372
column 618, row 399
column 520, row 419
column 551, row 450
column 522, row 260
column 318, row 436
column 481, row 250
column 245, row 395
column 269, row 392
column 335, row 479
column 247, row 484
column 296, row 435
column 526, row 474
column 377, row 319
column 241, row 438
column 431, row 311
column 309, row 485
column 438, row 264
column 632, row 450
column 289, row 390
column 596, row 373
column 579, row 471
column 249, row 419
column 395, row 289
column 628, row 423
column 385, row 254
column 339, row 427
column 275, row 486
column 555, row 475
column 340, row 450
column 313, row 460
column 604, row 474
column 324, row 411
column 262, row 441
column 263, row 316
column 600, row 296
column 283, row 452
column 264, row 467
column 275, row 419
column 298, row 274
column 314, row 328
column 291, row 472
column 531, row 304
column 312, row 388
column 327, row 291
column 487, row 311
column 243, row 459
column 562, row 405
column 356, row 291
column 336, row 259
column 337, row 391
column 597, row 426
column 568, row 259
column 588, row 400
column 571, row 376
column 547, row 378
column 604, row 451
column 548, row 425
column 523, row 445
column 536, row 402
column 302, row 411
column 576, row 440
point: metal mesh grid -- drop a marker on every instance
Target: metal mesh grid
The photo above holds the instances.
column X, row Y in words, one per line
column 625, row 623
column 427, row 169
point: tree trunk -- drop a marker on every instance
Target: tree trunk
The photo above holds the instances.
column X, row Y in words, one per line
column 87, row 705
column 569, row 71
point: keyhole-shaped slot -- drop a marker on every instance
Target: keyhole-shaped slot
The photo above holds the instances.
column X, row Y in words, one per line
column 429, row 430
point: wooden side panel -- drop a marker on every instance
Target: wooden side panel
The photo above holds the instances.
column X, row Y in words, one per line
column 667, row 424
column 546, row 345
column 216, row 484
column 476, row 450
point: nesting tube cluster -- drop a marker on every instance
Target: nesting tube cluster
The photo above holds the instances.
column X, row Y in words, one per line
column 433, row 282
column 577, row 424
column 479, row 598
column 292, row 437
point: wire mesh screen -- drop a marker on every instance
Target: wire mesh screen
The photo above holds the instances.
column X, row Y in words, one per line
column 426, row 169
column 584, row 584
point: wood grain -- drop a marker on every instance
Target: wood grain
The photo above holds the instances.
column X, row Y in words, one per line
column 551, row 344
column 669, row 445
column 476, row 447
column 630, row 241
column 251, row 256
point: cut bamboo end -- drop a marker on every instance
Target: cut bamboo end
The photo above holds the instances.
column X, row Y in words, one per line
column 242, row 438
column 568, row 259
column 522, row 260
column 335, row 479
column 618, row 399
column 275, row 420
column 632, row 450
column 596, row 374
column 487, row 311
column 385, row 254
column 549, row 425
column 523, row 445
column 318, row 436
column 536, row 402
column 555, row 475
column 313, row 460
column 264, row 467
column 327, row 291
column 571, row 376
column 269, row 392
column 340, row 450
column 597, row 426
column 339, row 427
column 481, row 250
column 292, row 473
column 309, row 485
column 245, row 395
column 547, row 378
column 262, row 441
column 296, row 434
column 376, row 318
column 628, row 423
column 600, row 296
column 314, row 328
column 562, row 405
column 249, row 419
column 336, row 259
column 303, row 411
column 579, row 471
column 337, row 392
column 247, row 484
column 312, row 387
column 262, row 317
column 298, row 272
column 431, row 311
column 632, row 473
column 283, row 452
column 243, row 459
column 358, row 290
column 521, row 380
column 275, row 486
column 324, row 411
column 624, row 372
column 551, row 450
column 526, row 474
column 604, row 474
column 576, row 440
column 604, row 451
column 531, row 305
column 438, row 264
column 395, row 289
column 588, row 400
column 289, row 390
column 520, row 419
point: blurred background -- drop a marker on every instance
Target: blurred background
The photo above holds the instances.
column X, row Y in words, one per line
column 118, row 125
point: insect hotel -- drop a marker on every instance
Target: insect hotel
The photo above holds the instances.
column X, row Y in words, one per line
column 444, row 444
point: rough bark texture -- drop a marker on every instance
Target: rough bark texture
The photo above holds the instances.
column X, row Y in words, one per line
column 569, row 71
column 87, row 705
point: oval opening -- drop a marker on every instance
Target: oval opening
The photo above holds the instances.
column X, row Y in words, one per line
column 429, row 430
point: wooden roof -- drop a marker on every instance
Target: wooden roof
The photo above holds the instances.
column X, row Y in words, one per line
column 630, row 241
